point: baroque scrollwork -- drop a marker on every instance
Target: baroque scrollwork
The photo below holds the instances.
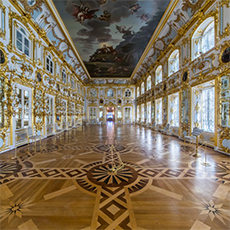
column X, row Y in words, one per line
column 194, row 5
column 31, row 5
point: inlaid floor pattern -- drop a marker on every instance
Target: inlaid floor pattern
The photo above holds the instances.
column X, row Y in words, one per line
column 114, row 177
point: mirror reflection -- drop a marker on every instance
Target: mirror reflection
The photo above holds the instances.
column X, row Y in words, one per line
column 2, row 98
column 225, row 101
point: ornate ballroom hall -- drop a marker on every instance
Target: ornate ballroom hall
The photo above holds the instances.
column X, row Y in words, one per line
column 115, row 114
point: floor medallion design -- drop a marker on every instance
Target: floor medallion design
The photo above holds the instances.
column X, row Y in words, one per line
column 105, row 175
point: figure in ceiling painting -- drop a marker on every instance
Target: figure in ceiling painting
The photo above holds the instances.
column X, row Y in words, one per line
column 134, row 8
column 105, row 16
column 144, row 17
column 123, row 30
column 81, row 12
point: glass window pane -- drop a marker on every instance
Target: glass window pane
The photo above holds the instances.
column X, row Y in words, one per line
column 208, row 38
column 27, row 43
column 26, row 51
column 23, row 31
column 19, row 36
column 158, row 74
column 19, row 45
column 142, row 88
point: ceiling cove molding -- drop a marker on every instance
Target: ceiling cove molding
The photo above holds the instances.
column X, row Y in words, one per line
column 157, row 31
column 61, row 24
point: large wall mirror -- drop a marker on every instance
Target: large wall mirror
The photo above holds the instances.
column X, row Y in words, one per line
column 2, row 99
column 225, row 101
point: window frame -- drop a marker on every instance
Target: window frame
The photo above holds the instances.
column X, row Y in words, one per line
column 92, row 113
column 48, row 62
column 198, row 35
column 138, row 91
column 25, row 36
column 128, row 91
column 142, row 88
column 64, row 76
column 149, row 82
column 174, row 60
column 158, row 70
column 29, row 90
column 130, row 113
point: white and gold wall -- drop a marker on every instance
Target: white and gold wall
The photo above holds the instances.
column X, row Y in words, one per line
column 99, row 98
column 193, row 91
column 39, row 88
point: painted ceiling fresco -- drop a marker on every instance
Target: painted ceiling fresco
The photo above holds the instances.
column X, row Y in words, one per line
column 111, row 35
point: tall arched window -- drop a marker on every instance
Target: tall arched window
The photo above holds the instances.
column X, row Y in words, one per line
column 22, row 41
column 173, row 62
column 49, row 63
column 142, row 88
column 203, row 38
column 158, row 74
column 149, row 82
column 138, row 91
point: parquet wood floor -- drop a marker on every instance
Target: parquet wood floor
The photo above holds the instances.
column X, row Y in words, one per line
column 114, row 177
